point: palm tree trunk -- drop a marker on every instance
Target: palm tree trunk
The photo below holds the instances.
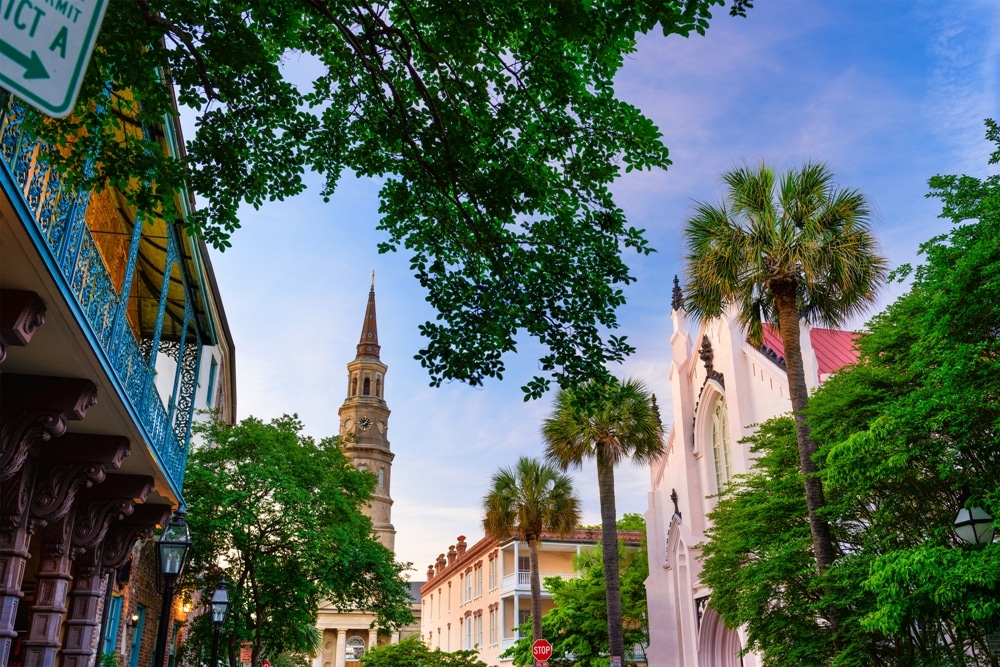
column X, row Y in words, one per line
column 609, row 536
column 536, row 590
column 799, row 395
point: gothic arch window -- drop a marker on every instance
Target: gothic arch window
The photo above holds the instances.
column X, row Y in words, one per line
column 718, row 434
column 355, row 648
column 367, row 390
column 354, row 386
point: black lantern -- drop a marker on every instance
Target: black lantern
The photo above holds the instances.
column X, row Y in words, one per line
column 220, row 607
column 171, row 554
column 974, row 525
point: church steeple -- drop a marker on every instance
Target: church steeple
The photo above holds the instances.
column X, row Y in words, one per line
column 364, row 422
column 368, row 345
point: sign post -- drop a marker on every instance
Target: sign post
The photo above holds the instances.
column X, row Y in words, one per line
column 541, row 651
column 45, row 46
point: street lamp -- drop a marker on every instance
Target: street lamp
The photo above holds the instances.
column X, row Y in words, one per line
column 974, row 525
column 220, row 607
column 171, row 555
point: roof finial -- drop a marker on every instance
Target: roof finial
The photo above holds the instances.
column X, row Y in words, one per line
column 373, row 279
column 677, row 297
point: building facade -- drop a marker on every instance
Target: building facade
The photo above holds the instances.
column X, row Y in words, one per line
column 364, row 432
column 112, row 336
column 477, row 597
column 721, row 387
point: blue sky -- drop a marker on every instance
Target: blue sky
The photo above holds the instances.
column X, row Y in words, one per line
column 887, row 92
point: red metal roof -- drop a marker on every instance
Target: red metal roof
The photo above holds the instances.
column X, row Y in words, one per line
column 833, row 348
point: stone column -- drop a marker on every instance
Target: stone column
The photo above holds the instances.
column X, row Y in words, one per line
column 35, row 410
column 82, row 620
column 340, row 658
column 52, row 587
column 14, row 540
column 372, row 639
column 95, row 512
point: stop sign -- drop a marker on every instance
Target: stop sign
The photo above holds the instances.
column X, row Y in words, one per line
column 541, row 650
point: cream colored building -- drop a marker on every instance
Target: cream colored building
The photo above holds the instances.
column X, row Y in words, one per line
column 476, row 597
column 364, row 430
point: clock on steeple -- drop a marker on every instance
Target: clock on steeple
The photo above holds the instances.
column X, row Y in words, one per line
column 365, row 407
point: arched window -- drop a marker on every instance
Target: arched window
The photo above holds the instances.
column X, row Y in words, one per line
column 367, row 387
column 381, row 478
column 721, row 455
column 354, row 386
column 378, row 387
column 355, row 648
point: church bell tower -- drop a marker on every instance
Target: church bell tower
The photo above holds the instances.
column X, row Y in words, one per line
column 364, row 423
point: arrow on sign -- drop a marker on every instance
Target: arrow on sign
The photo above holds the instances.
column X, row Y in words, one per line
column 33, row 66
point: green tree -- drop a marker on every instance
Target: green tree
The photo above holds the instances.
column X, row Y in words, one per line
column 609, row 422
column 411, row 652
column 528, row 500
column 279, row 515
column 781, row 249
column 756, row 558
column 907, row 437
column 493, row 126
column 578, row 624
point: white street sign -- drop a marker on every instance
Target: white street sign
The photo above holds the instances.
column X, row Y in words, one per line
column 44, row 49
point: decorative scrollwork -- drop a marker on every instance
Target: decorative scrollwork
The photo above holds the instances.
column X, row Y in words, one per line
column 185, row 394
column 171, row 348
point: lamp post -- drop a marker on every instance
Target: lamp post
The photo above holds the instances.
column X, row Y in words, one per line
column 220, row 607
column 974, row 525
column 171, row 554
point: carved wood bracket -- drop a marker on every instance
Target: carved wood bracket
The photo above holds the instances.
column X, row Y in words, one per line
column 21, row 313
column 36, row 409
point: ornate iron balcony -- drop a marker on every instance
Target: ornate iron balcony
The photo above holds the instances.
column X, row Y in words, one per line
column 59, row 223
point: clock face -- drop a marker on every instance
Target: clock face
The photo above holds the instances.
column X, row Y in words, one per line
column 365, row 423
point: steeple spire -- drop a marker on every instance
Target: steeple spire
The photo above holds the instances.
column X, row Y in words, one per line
column 368, row 345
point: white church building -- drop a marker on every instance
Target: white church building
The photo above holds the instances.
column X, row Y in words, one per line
column 721, row 387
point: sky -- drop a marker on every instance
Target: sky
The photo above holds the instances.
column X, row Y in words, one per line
column 886, row 92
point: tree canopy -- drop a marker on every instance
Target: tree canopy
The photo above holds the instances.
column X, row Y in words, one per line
column 279, row 516
column 907, row 436
column 493, row 127
column 411, row 652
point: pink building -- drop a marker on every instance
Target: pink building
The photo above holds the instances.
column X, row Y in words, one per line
column 721, row 386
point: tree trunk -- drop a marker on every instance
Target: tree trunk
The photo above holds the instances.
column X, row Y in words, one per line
column 536, row 590
column 799, row 395
column 609, row 536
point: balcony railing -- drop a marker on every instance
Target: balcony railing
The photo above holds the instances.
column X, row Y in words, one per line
column 520, row 581
column 57, row 213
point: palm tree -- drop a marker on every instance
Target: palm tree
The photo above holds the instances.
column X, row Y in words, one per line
column 780, row 250
column 525, row 501
column 610, row 422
